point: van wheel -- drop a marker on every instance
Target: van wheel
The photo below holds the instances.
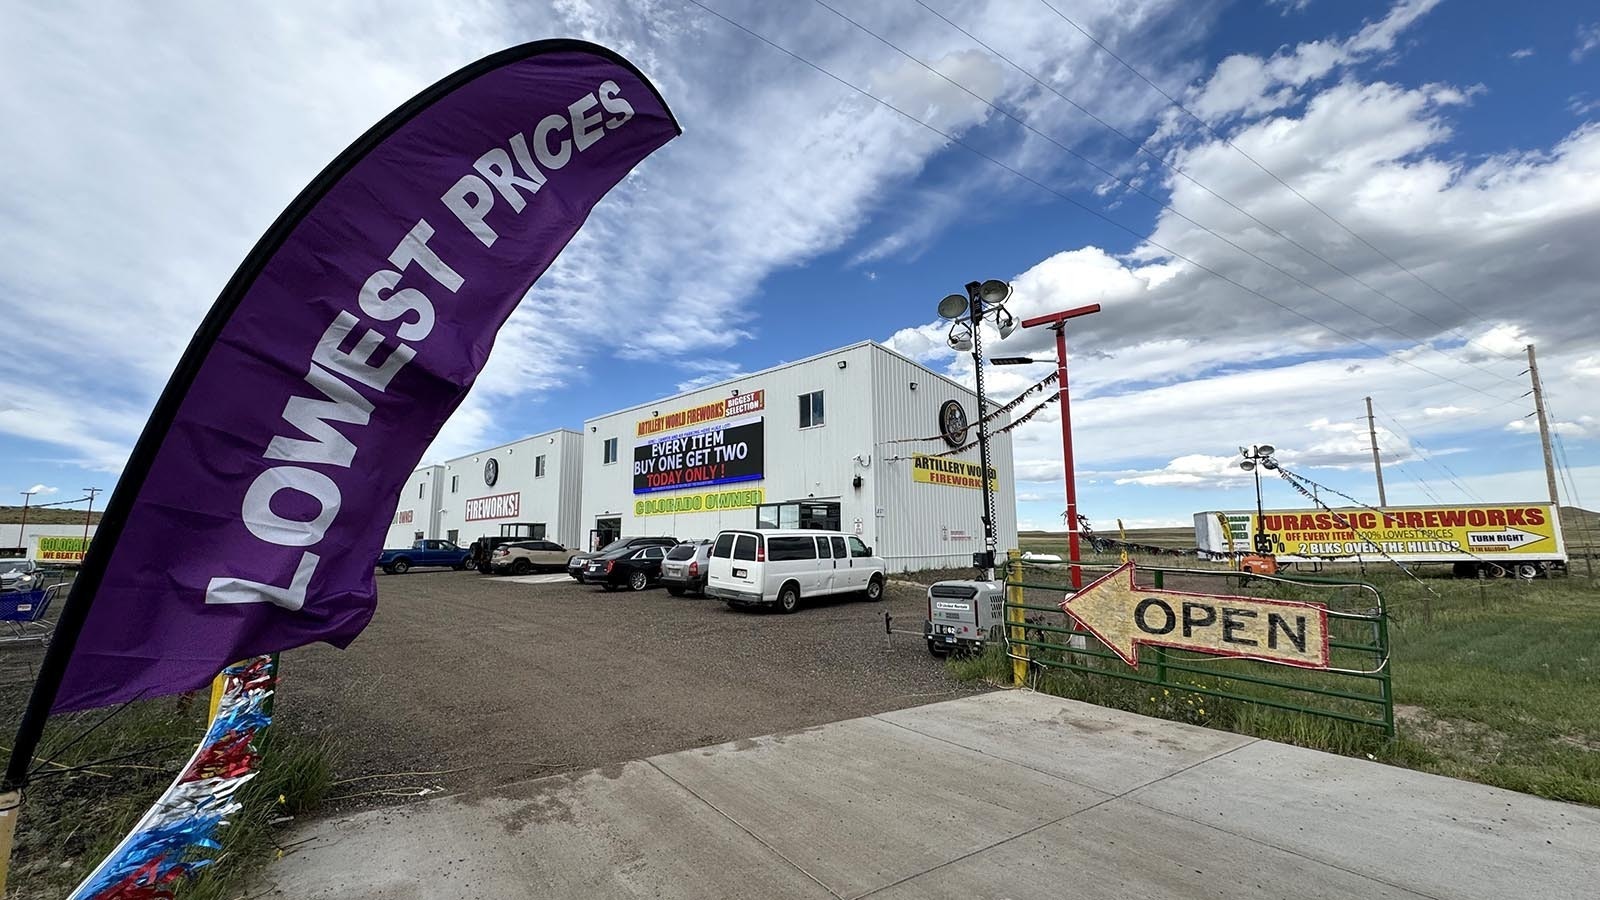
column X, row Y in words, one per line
column 789, row 598
column 875, row 589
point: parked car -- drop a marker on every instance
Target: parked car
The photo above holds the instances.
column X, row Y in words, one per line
column 685, row 568
column 423, row 553
column 522, row 557
column 480, row 553
column 575, row 565
column 634, row 567
column 20, row 575
column 781, row 567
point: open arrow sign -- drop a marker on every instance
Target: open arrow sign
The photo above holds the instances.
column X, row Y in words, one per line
column 1123, row 615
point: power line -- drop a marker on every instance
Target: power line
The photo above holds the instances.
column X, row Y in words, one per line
column 1275, row 177
column 1139, row 146
column 1443, row 468
column 1140, row 191
column 1077, row 203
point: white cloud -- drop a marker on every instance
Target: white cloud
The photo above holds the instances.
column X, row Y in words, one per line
column 41, row 489
column 1522, row 53
column 1252, row 85
column 1588, row 39
column 1289, row 6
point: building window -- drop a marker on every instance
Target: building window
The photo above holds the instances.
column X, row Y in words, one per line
column 811, row 409
column 455, row 483
column 538, row 466
column 611, row 451
column 454, row 536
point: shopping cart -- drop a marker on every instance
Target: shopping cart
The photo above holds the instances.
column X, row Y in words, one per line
column 22, row 615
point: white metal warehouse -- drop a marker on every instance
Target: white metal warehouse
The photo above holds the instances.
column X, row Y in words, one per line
column 536, row 480
column 813, row 443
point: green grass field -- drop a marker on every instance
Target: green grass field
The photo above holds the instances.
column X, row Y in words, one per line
column 1496, row 681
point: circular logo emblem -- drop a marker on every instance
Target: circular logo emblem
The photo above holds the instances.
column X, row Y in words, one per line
column 953, row 423
column 491, row 472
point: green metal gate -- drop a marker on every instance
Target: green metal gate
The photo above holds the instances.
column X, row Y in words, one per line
column 1355, row 688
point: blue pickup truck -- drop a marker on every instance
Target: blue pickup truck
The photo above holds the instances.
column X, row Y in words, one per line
column 422, row 553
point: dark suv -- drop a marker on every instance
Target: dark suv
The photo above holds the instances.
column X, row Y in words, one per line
column 576, row 564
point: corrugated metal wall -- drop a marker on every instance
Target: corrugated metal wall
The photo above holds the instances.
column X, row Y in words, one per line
column 551, row 499
column 799, row 463
column 930, row 525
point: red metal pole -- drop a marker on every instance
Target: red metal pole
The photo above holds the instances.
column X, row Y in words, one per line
column 1058, row 321
column 1066, row 455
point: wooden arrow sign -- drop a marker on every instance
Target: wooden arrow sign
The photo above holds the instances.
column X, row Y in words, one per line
column 1123, row 615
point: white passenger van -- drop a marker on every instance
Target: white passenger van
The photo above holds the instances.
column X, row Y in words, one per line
column 783, row 566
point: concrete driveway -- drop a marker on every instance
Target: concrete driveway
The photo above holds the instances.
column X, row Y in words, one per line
column 1004, row 795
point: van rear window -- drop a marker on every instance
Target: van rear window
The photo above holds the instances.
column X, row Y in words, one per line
column 723, row 548
column 745, row 547
column 782, row 548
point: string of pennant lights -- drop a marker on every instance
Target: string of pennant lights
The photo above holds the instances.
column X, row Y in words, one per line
column 1344, row 522
column 997, row 411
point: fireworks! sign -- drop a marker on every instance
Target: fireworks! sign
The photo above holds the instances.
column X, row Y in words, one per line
column 722, row 454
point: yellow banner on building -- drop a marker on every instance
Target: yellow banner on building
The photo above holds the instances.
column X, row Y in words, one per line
column 951, row 472
column 709, row 501
column 57, row 549
column 1475, row 529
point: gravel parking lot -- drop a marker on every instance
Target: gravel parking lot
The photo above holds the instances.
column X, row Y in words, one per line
column 504, row 681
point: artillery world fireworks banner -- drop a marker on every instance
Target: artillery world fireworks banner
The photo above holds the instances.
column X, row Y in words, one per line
column 253, row 507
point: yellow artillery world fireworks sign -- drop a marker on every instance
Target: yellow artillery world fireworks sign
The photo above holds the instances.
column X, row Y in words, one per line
column 950, row 472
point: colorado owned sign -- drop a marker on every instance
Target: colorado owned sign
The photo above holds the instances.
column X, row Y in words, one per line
column 1123, row 615
column 743, row 404
column 721, row 454
column 53, row 548
column 950, row 472
column 710, row 501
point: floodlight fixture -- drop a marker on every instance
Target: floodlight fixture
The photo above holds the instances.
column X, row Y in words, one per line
column 953, row 306
column 994, row 291
column 1266, row 450
column 1248, row 465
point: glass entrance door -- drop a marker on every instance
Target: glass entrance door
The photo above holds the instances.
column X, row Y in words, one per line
column 605, row 531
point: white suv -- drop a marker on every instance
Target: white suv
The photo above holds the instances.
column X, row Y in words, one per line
column 782, row 566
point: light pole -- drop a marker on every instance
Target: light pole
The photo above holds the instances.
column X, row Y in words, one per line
column 1255, row 459
column 984, row 300
column 22, row 532
column 1057, row 322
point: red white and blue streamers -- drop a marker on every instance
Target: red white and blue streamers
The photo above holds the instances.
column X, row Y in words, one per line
column 178, row 836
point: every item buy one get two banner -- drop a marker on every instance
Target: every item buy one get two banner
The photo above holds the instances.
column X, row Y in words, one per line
column 1521, row 531
column 701, row 447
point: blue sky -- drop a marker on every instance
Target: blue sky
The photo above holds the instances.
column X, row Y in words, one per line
column 795, row 215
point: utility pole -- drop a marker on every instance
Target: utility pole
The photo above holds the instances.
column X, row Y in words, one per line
column 1377, row 465
column 22, row 531
column 1544, row 428
column 86, row 515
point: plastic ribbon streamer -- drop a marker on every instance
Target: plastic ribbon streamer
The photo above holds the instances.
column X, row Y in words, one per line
column 177, row 836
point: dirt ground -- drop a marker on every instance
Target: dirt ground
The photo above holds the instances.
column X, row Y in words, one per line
column 502, row 681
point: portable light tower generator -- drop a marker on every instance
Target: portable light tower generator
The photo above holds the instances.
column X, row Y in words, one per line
column 964, row 616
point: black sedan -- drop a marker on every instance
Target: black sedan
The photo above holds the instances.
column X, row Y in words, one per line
column 635, row 568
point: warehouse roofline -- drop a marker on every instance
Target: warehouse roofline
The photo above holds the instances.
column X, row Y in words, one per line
column 554, row 431
column 874, row 345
